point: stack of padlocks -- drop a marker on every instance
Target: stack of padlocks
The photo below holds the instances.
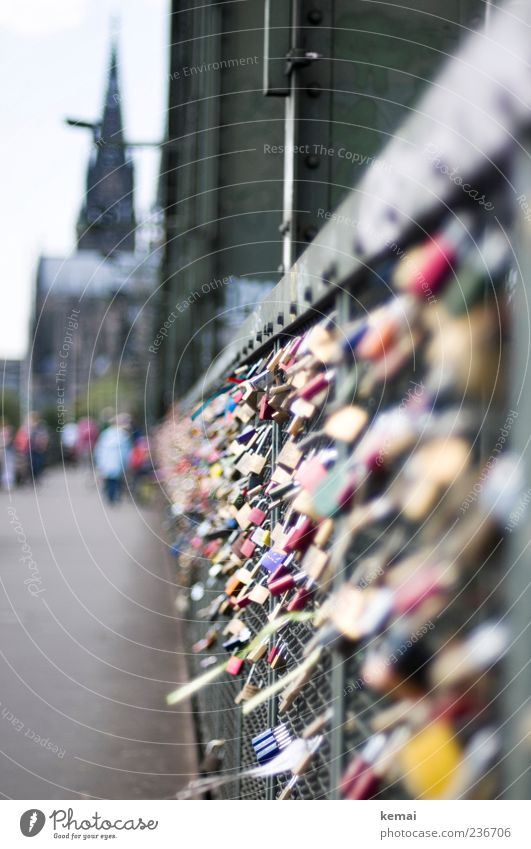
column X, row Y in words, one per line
column 332, row 484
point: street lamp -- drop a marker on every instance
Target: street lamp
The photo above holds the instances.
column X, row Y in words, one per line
column 95, row 127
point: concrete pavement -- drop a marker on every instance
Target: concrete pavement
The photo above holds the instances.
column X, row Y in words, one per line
column 89, row 646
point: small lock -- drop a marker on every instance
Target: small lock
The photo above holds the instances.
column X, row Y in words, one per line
column 242, row 516
column 257, row 653
column 261, row 537
column 346, row 424
column 246, row 435
column 271, row 742
column 265, row 410
column 249, row 689
column 257, row 516
column 234, row 584
column 316, row 385
column 271, row 560
column 290, row 456
column 259, row 594
column 281, row 585
column 247, row 548
column 360, row 780
column 237, row 641
column 299, row 600
column 235, row 665
column 247, row 692
column 430, row 760
column 301, row 536
column 207, row 642
column 277, row 656
column 296, row 425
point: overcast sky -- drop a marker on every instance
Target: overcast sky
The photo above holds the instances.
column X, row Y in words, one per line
column 54, row 61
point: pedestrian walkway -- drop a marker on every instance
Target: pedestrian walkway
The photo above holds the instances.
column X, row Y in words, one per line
column 89, row 646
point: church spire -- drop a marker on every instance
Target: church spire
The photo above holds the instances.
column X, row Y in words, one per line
column 107, row 221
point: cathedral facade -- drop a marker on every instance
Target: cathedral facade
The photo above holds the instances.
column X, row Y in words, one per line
column 106, row 283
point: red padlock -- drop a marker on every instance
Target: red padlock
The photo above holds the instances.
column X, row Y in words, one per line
column 301, row 537
column 299, row 600
column 257, row 516
column 316, row 384
column 265, row 410
column 234, row 666
column 280, row 585
column 247, row 548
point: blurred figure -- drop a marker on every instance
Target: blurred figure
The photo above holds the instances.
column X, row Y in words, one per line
column 87, row 434
column 21, row 445
column 39, row 440
column 111, row 456
column 106, row 418
column 140, row 467
column 7, row 455
column 69, row 441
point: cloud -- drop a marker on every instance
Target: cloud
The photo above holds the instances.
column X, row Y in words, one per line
column 41, row 17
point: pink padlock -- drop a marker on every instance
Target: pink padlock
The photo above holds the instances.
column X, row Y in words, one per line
column 234, row 666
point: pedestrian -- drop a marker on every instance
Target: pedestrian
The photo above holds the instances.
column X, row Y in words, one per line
column 140, row 466
column 111, row 456
column 21, row 445
column 69, row 441
column 39, row 439
column 7, row 454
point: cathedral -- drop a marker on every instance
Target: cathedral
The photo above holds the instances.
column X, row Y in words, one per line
column 106, row 282
column 107, row 220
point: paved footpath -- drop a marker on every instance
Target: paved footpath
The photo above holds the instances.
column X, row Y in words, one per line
column 89, row 646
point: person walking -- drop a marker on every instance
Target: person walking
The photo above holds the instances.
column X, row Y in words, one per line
column 69, row 440
column 7, row 455
column 111, row 456
column 39, row 444
column 87, row 435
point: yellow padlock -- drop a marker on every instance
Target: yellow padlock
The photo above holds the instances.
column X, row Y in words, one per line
column 430, row 759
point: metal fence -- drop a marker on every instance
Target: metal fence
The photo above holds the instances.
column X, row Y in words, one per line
column 343, row 276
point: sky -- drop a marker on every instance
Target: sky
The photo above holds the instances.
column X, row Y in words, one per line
column 54, row 57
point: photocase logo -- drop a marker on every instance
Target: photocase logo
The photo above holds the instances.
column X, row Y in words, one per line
column 32, row 822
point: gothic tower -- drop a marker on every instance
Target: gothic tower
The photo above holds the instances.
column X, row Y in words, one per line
column 106, row 222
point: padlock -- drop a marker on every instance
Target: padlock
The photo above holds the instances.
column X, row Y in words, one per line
column 276, row 657
column 296, row 425
column 257, row 653
column 359, row 779
column 300, row 599
column 290, row 456
column 430, row 760
column 237, row 641
column 207, row 641
column 324, row 532
column 310, row 473
column 270, row 742
column 247, row 548
column 257, row 516
column 317, row 384
column 315, row 562
column 346, row 424
column 265, row 410
column 242, row 516
column 235, row 665
column 271, row 560
column 300, row 537
column 261, row 536
column 424, row 269
column 259, row 594
column 248, row 690
column 281, row 585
